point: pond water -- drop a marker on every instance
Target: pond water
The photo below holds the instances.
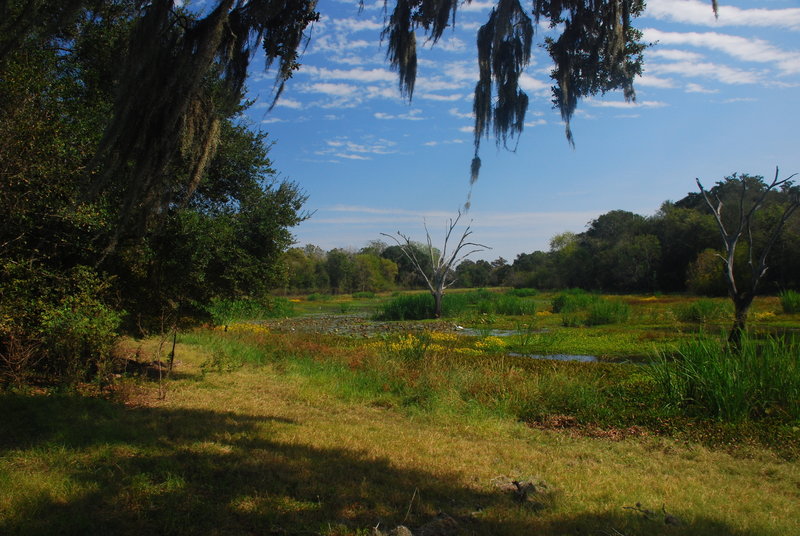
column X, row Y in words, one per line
column 559, row 357
column 495, row 332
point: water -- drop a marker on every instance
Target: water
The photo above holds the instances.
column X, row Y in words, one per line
column 559, row 357
column 495, row 332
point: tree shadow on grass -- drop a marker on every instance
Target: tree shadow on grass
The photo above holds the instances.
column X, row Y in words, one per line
column 168, row 471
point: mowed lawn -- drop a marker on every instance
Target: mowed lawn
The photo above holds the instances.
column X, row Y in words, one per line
column 267, row 450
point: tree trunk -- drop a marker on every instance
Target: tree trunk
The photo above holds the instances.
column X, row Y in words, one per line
column 741, row 307
column 437, row 303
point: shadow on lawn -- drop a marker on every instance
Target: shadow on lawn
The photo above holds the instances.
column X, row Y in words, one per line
column 166, row 471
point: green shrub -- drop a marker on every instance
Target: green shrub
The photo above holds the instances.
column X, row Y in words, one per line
column 790, row 302
column 55, row 325
column 363, row 295
column 420, row 306
column 407, row 307
column 604, row 311
column 572, row 300
column 225, row 312
column 523, row 292
column 513, row 305
column 702, row 311
column 317, row 296
column 709, row 378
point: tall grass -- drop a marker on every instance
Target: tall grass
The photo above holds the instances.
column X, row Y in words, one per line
column 420, row 306
column 523, row 292
column 604, row 311
column 579, row 308
column 790, row 301
column 225, row 312
column 572, row 300
column 709, row 378
column 702, row 311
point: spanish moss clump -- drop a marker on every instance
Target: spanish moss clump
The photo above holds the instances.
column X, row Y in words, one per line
column 182, row 74
column 598, row 51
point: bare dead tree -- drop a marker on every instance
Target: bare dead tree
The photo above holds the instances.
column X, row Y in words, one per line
column 440, row 276
column 743, row 291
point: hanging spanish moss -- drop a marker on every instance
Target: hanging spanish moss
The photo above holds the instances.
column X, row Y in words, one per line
column 181, row 75
column 598, row 51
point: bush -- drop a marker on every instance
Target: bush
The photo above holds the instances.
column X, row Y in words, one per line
column 56, row 326
column 709, row 378
column 407, row 307
column 572, row 300
column 603, row 311
column 523, row 292
column 513, row 305
column 317, row 296
column 363, row 295
column 420, row 306
column 702, row 311
column 225, row 312
column 790, row 302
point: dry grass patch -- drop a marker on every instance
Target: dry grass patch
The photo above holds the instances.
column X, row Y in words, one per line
column 266, row 450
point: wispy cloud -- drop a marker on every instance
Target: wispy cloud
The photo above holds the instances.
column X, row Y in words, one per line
column 413, row 115
column 741, row 48
column 624, row 104
column 440, row 98
column 700, row 13
column 697, row 88
column 721, row 73
column 355, row 75
column 343, row 147
column 648, row 80
column 456, row 113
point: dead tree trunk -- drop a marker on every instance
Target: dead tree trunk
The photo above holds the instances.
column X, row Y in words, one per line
column 742, row 292
column 441, row 264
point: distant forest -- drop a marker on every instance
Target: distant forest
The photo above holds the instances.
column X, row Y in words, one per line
column 675, row 250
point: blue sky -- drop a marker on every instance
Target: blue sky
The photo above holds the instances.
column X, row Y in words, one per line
column 718, row 96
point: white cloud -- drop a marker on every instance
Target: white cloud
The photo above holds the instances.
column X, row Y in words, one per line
column 471, row 130
column 343, row 147
column 413, row 115
column 625, row 104
column 739, row 99
column 356, row 25
column 354, row 75
column 477, row 5
column 722, row 73
column 700, row 12
column 455, row 113
column 289, row 103
column 532, row 85
column 449, row 44
column 648, row 80
column 328, row 88
column 697, row 88
column 536, row 123
column 440, row 98
column 270, row 120
column 674, row 54
column 741, row 48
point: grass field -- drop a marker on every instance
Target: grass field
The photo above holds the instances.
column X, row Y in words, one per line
column 273, row 430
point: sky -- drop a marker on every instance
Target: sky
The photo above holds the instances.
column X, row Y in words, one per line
column 717, row 96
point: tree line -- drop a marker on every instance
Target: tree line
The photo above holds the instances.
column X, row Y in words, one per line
column 678, row 249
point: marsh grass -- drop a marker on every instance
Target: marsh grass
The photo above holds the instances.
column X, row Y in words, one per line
column 707, row 377
column 703, row 311
column 420, row 306
column 790, row 301
column 589, row 310
column 322, row 435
